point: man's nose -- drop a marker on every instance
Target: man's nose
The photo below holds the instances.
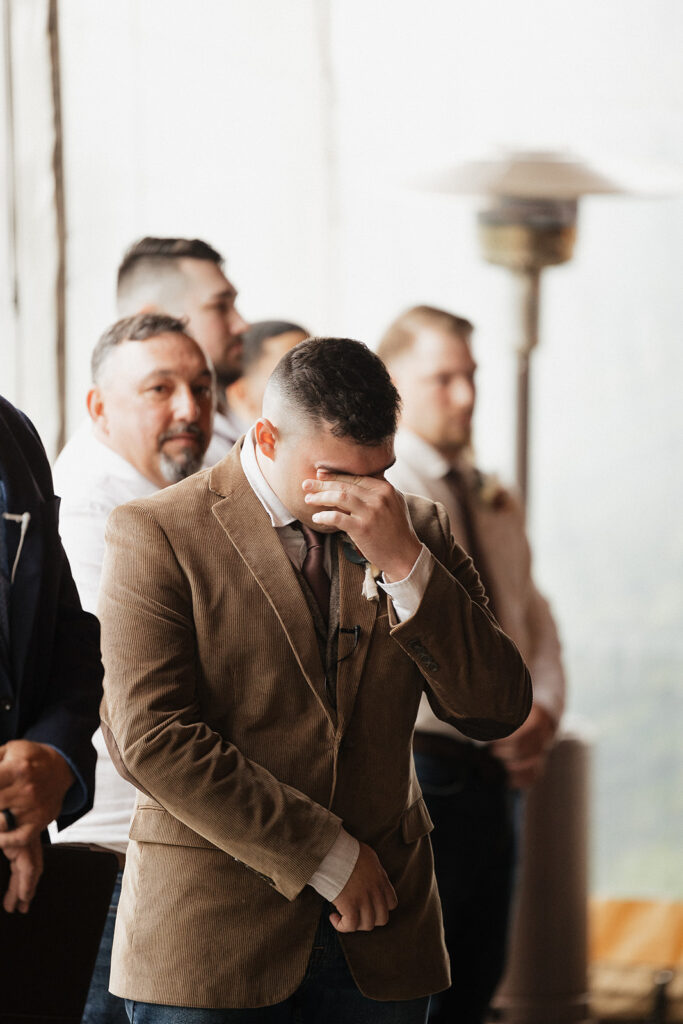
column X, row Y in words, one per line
column 462, row 393
column 185, row 405
column 237, row 323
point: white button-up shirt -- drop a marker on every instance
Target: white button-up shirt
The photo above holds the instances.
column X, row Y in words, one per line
column 92, row 480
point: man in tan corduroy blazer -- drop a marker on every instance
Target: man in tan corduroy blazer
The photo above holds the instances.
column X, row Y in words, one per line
column 269, row 731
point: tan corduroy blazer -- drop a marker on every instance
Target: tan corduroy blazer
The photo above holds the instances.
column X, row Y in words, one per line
column 215, row 707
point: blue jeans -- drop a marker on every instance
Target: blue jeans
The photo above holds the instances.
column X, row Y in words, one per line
column 327, row 995
column 475, row 841
column 101, row 1006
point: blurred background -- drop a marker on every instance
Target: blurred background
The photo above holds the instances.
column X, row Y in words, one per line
column 281, row 134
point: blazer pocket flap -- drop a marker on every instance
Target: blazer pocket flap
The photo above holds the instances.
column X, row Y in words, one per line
column 155, row 825
column 415, row 821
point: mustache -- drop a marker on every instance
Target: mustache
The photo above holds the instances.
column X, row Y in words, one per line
column 182, row 428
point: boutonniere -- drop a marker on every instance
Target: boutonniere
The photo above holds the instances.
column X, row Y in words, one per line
column 491, row 492
column 352, row 554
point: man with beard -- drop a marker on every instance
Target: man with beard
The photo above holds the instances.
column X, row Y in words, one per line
column 471, row 790
column 151, row 406
column 184, row 277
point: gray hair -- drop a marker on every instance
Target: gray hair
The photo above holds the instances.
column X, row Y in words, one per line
column 141, row 327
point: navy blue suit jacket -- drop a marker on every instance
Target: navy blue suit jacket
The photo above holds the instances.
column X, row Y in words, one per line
column 56, row 671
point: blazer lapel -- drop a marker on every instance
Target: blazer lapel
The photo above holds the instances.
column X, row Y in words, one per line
column 249, row 529
column 354, row 611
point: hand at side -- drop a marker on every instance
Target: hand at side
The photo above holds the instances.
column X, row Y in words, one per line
column 34, row 779
column 26, row 867
column 367, row 898
column 524, row 751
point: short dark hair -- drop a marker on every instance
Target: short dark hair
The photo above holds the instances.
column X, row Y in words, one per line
column 343, row 383
column 132, row 328
column 400, row 335
column 255, row 337
column 157, row 252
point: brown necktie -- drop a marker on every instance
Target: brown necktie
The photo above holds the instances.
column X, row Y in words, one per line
column 458, row 485
column 313, row 569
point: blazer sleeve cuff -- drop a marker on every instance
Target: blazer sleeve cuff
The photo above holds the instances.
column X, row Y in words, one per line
column 76, row 796
column 336, row 867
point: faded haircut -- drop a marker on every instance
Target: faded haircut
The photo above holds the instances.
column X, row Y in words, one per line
column 152, row 265
column 256, row 336
column 342, row 383
column 400, row 335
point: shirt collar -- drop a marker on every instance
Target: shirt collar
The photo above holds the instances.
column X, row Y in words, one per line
column 279, row 515
column 114, row 465
column 420, row 453
column 86, row 457
column 228, row 426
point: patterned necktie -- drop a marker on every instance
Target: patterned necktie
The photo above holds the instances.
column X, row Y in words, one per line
column 313, row 568
column 458, row 486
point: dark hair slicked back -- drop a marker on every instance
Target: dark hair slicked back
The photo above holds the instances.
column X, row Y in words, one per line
column 344, row 384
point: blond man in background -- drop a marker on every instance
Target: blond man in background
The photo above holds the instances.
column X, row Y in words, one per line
column 471, row 789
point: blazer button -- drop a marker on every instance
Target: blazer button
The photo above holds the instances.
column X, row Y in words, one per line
column 6, row 704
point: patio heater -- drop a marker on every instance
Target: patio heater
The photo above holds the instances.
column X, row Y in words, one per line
column 528, row 222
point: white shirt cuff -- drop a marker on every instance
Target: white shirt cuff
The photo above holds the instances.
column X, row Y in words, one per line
column 335, row 868
column 406, row 594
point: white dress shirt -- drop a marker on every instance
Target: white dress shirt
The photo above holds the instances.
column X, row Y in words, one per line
column 92, row 480
column 228, row 427
column 335, row 869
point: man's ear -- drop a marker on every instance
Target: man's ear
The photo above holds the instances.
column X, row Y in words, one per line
column 96, row 409
column 266, row 437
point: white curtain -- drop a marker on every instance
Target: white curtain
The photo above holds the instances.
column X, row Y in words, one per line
column 30, row 261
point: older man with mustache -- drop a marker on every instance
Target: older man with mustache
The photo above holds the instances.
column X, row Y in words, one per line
column 151, row 409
